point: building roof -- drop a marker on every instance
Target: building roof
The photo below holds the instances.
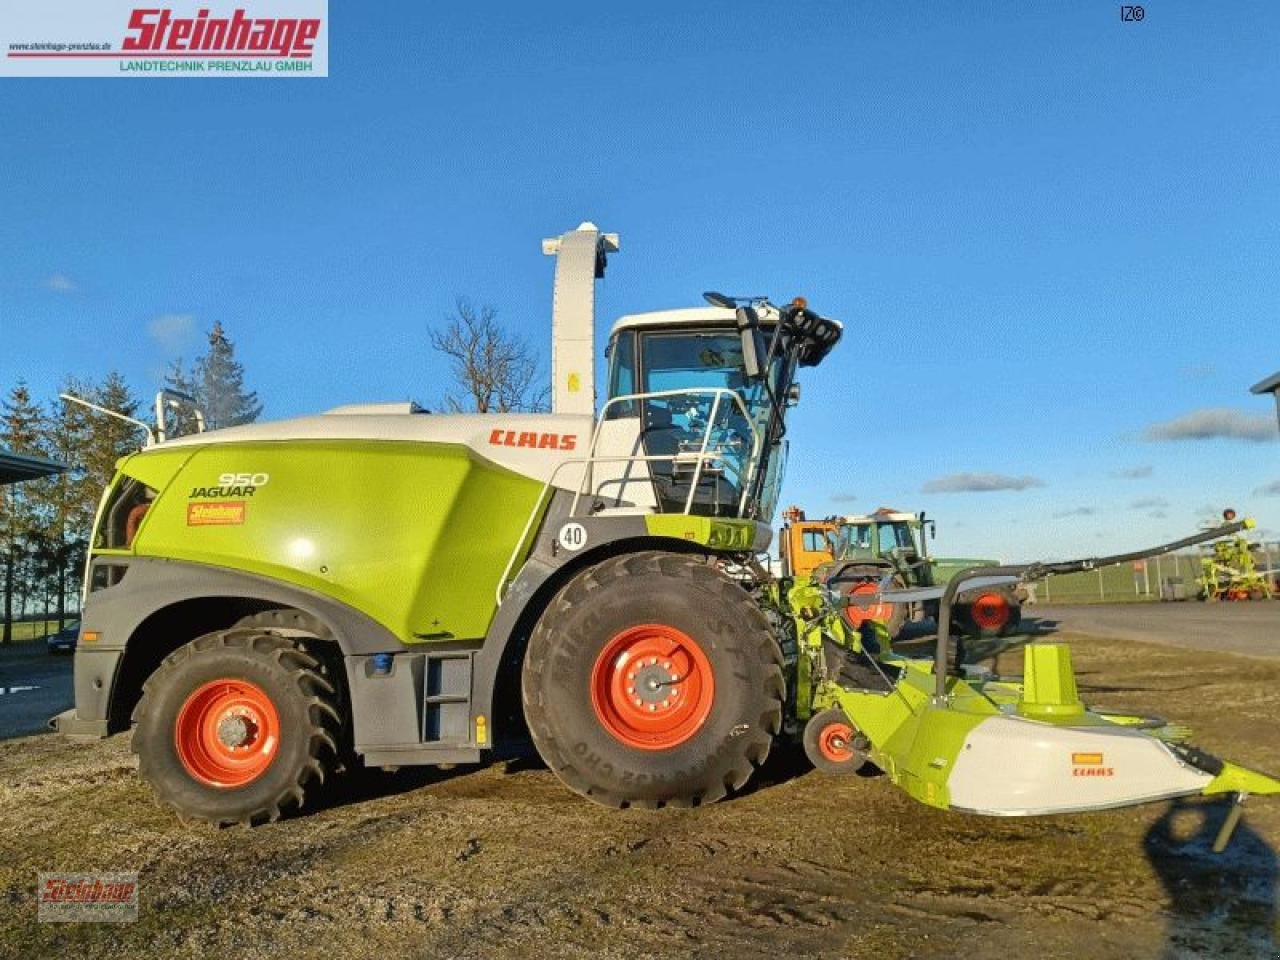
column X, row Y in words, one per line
column 1269, row 385
column 16, row 467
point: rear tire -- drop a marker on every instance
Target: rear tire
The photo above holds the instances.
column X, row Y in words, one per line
column 686, row 642
column 233, row 726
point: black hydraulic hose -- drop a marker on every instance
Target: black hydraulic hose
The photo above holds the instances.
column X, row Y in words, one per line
column 1036, row 571
column 1075, row 566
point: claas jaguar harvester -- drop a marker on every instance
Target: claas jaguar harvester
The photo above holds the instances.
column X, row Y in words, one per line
column 264, row 601
column 268, row 603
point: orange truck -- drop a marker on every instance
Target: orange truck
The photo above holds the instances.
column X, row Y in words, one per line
column 804, row 545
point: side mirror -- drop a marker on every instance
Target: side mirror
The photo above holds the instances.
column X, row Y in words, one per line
column 933, row 530
column 749, row 331
column 793, row 395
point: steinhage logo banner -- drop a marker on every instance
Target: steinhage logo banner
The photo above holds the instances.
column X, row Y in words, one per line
column 124, row 38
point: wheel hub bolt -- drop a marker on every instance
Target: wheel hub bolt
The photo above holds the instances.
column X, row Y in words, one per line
column 235, row 730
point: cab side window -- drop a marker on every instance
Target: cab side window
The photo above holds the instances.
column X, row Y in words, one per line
column 622, row 375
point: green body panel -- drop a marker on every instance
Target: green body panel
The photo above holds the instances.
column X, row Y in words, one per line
column 1234, row 779
column 1049, row 684
column 712, row 532
column 407, row 533
column 914, row 741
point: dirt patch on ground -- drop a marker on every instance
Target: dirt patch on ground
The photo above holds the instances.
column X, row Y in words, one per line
column 503, row 861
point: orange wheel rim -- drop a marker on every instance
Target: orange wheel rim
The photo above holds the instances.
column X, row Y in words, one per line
column 834, row 740
column 227, row 733
column 990, row 611
column 855, row 614
column 652, row 687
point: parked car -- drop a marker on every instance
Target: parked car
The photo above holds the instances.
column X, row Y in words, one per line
column 64, row 641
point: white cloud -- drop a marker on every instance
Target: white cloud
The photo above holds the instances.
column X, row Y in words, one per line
column 1271, row 489
column 1075, row 512
column 842, row 498
column 1149, row 503
column 979, row 483
column 172, row 331
column 1215, row 423
column 61, row 283
column 1133, row 473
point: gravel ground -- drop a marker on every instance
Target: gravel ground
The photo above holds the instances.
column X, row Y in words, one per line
column 504, row 862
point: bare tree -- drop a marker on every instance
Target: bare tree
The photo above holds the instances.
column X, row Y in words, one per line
column 494, row 371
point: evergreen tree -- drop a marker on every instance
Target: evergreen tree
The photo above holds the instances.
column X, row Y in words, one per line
column 216, row 382
column 183, row 380
column 21, row 430
column 88, row 443
column 110, row 439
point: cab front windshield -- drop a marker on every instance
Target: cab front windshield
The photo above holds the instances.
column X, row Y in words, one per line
column 691, row 367
column 856, row 540
column 853, row 540
column 896, row 536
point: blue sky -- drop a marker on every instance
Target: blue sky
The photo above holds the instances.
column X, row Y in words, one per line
column 1046, row 230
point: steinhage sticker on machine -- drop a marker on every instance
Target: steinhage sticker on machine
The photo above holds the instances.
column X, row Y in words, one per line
column 111, row 38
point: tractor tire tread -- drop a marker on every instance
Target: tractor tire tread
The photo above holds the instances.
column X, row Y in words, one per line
column 317, row 696
column 579, row 590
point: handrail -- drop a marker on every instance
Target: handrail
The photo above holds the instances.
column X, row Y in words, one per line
column 573, row 510
column 717, row 393
column 703, row 454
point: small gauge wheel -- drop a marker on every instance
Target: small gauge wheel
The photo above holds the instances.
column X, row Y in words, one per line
column 833, row 745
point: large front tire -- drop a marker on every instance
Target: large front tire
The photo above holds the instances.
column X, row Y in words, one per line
column 653, row 680
column 234, row 725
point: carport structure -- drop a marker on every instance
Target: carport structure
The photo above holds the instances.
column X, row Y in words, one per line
column 16, row 467
column 1270, row 385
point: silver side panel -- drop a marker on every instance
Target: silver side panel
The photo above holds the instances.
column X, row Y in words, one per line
column 615, row 479
column 1009, row 766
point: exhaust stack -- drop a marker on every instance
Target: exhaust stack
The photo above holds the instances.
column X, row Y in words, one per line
column 581, row 256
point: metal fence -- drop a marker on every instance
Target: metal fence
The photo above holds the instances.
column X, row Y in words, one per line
column 1172, row 577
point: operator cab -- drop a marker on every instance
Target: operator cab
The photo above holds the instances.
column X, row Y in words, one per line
column 699, row 396
column 885, row 534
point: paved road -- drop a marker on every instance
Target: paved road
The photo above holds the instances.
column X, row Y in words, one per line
column 1252, row 629
column 34, row 685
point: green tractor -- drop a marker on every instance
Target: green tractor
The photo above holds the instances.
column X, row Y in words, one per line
column 889, row 549
column 265, row 602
